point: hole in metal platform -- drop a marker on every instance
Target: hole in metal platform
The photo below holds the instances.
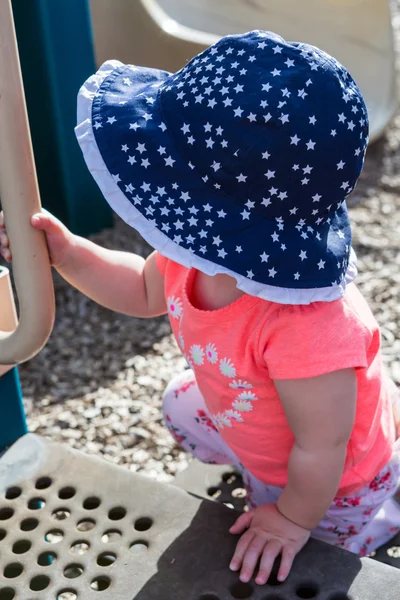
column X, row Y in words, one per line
column 67, row 493
column 113, row 535
column 21, row 547
column 47, row 558
column 29, row 524
column 143, row 523
column 241, row 590
column 54, row 536
column 239, row 493
column 73, row 571
column 13, row 570
column 86, row 525
column 307, row 591
column 394, row 552
column 39, row 583
column 3, row 534
column 214, row 492
column 229, row 477
column 13, row 492
column 139, row 547
column 36, row 503
column 7, row 594
column 67, row 595
column 117, row 513
column 61, row 514
column 209, row 597
column 43, row 483
column 91, row 503
column 6, row 513
column 106, row 559
column 80, row 548
column 99, row 584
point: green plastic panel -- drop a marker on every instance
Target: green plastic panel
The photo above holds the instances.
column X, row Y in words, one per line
column 56, row 53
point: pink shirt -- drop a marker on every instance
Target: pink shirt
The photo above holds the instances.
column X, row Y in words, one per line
column 236, row 352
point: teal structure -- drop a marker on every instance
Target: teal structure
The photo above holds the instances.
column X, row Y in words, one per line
column 12, row 421
column 56, row 53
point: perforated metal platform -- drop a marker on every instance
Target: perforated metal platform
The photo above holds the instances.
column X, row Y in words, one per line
column 74, row 527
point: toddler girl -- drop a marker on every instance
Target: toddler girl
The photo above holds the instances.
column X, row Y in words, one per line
column 236, row 170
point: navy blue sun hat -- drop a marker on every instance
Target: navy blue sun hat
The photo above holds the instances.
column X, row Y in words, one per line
column 239, row 163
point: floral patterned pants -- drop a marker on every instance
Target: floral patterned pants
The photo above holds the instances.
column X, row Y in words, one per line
column 359, row 523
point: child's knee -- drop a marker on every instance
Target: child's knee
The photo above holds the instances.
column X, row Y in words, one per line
column 182, row 398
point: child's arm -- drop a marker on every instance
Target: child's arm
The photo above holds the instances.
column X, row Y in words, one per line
column 121, row 281
column 320, row 412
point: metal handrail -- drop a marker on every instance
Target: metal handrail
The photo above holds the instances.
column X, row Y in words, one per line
column 20, row 199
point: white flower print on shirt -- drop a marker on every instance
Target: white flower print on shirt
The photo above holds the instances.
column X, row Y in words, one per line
column 240, row 385
column 242, row 405
column 234, row 415
column 225, row 420
column 211, row 353
column 227, row 367
column 247, row 396
column 197, row 354
column 217, row 420
column 175, row 307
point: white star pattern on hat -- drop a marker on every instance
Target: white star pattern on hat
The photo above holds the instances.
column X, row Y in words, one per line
column 226, row 136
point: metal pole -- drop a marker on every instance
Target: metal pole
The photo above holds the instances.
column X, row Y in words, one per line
column 20, row 199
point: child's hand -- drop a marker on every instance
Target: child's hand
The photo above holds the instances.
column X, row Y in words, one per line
column 59, row 238
column 268, row 534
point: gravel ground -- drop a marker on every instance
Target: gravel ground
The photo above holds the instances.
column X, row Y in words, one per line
column 97, row 385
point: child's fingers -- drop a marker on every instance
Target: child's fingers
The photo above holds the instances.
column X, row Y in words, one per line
column 242, row 523
column 250, row 559
column 241, row 549
column 288, row 556
column 5, row 251
column 271, row 551
column 6, row 254
column 46, row 222
column 4, row 241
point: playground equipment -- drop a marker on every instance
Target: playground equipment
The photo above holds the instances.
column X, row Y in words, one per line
column 8, row 315
column 12, row 422
column 356, row 32
column 74, row 527
column 78, row 528
column 18, row 182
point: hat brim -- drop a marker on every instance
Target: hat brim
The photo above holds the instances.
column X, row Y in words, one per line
column 119, row 119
